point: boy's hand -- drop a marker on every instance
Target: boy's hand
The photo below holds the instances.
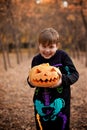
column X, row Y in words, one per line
column 28, row 80
column 58, row 83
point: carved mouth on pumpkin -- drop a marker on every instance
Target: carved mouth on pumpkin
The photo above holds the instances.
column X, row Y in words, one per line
column 46, row 80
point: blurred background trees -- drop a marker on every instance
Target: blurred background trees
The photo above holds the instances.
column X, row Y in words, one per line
column 22, row 20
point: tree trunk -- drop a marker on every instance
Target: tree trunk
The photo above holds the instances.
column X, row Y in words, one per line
column 17, row 52
column 10, row 15
column 3, row 54
column 85, row 25
column 8, row 58
column 86, row 55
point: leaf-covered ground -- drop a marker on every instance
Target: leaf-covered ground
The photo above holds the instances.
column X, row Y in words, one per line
column 16, row 106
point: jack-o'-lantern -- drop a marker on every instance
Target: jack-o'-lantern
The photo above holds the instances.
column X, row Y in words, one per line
column 44, row 75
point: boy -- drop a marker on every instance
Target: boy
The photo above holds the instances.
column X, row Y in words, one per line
column 56, row 115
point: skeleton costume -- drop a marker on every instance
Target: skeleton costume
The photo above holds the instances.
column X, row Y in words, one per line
column 52, row 105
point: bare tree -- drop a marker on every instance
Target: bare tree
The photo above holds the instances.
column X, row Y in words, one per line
column 10, row 15
column 83, row 5
column 3, row 54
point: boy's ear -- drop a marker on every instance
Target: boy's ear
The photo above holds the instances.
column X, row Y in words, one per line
column 59, row 45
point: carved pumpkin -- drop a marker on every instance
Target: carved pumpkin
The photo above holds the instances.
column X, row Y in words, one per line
column 44, row 75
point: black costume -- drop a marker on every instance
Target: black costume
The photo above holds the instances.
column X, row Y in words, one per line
column 52, row 105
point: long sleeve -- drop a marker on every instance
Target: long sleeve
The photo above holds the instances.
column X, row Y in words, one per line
column 33, row 63
column 29, row 82
column 71, row 75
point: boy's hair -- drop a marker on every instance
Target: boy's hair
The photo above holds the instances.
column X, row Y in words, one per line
column 48, row 35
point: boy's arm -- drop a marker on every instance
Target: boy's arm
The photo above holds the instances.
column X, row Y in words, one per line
column 30, row 83
column 71, row 75
column 34, row 62
column 68, row 80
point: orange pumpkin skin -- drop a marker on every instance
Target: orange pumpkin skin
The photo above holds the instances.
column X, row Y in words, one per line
column 44, row 75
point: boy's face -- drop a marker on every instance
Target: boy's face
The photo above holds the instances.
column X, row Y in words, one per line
column 47, row 50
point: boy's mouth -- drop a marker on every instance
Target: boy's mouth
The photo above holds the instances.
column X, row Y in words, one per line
column 47, row 54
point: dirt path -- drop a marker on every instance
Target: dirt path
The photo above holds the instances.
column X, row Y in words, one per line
column 79, row 100
column 16, row 107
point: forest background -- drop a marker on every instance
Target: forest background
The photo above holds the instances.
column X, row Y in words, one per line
column 22, row 20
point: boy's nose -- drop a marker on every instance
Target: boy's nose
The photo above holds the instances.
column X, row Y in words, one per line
column 47, row 50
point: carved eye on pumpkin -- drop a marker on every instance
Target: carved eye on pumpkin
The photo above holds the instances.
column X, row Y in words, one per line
column 44, row 75
column 38, row 71
column 53, row 70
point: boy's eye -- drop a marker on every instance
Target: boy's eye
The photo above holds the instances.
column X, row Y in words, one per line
column 51, row 46
column 44, row 46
